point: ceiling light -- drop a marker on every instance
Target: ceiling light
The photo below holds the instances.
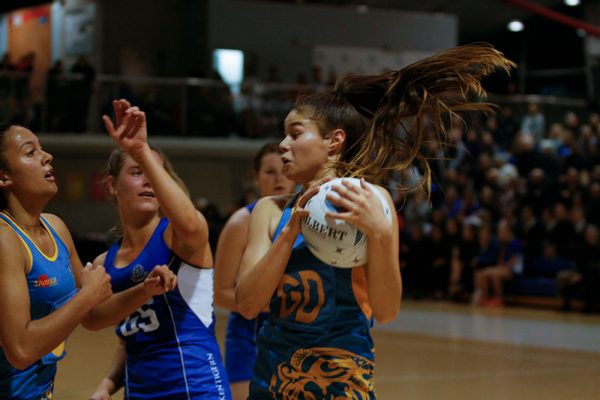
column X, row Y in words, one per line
column 572, row 3
column 515, row 26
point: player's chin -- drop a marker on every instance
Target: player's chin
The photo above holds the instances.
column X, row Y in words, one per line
column 280, row 191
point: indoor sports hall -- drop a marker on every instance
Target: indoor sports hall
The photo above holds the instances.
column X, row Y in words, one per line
column 497, row 210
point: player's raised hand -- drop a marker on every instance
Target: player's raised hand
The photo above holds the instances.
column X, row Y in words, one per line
column 129, row 130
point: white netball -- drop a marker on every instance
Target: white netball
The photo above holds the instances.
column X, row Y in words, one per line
column 333, row 241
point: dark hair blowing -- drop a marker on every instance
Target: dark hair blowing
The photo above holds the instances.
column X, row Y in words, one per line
column 266, row 149
column 384, row 116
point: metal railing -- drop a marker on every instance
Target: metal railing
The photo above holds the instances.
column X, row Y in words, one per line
column 185, row 107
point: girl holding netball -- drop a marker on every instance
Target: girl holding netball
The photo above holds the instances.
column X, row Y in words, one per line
column 316, row 342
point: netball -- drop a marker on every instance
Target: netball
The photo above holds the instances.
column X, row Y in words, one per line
column 331, row 240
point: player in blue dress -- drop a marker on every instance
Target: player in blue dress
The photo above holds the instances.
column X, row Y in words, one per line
column 169, row 350
column 45, row 292
column 240, row 339
column 316, row 342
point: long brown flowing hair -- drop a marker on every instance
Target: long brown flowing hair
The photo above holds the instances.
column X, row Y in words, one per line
column 386, row 116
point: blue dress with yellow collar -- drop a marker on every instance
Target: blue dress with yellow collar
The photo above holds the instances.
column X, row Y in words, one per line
column 51, row 283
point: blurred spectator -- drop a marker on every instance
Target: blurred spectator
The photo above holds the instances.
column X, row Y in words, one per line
column 534, row 122
column 453, row 204
column 503, row 259
column 463, row 261
column 507, row 128
column 24, row 68
column 585, row 276
column 6, row 64
column 559, row 229
column 417, row 209
column 418, row 260
column 6, row 70
column 539, row 193
column 531, row 233
column 440, row 250
column 592, row 207
column 213, row 217
column 82, row 88
column 210, row 109
column 58, row 111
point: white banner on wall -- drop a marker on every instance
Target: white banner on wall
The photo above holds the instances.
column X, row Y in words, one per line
column 344, row 60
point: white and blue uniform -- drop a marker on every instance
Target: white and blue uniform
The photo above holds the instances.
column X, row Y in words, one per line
column 51, row 284
column 170, row 343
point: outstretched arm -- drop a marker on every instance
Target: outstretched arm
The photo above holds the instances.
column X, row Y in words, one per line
column 230, row 249
column 383, row 266
column 264, row 261
column 23, row 340
column 130, row 134
column 119, row 305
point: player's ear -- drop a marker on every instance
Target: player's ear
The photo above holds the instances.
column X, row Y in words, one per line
column 5, row 179
column 336, row 141
column 110, row 186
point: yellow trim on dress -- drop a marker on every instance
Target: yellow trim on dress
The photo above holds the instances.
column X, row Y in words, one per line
column 51, row 258
column 24, row 245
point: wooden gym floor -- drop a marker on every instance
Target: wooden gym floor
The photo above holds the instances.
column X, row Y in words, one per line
column 432, row 351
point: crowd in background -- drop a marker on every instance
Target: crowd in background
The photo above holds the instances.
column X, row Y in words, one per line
column 58, row 102
column 511, row 193
column 511, row 197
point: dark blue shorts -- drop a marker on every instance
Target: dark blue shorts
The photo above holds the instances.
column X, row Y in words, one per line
column 240, row 346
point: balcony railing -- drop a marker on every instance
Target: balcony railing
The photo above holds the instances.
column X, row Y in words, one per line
column 186, row 107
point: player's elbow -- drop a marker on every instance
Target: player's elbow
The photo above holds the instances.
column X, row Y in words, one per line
column 248, row 314
column 92, row 325
column 385, row 318
column 93, row 322
column 247, row 311
column 19, row 357
column 386, row 315
column 246, row 308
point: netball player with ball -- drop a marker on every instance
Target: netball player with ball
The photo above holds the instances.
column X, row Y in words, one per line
column 316, row 342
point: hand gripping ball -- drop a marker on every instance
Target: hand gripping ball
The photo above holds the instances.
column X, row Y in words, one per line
column 333, row 241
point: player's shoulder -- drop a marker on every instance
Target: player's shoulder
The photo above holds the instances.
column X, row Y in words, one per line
column 101, row 259
column 382, row 191
column 56, row 222
column 273, row 203
column 8, row 236
column 11, row 244
column 240, row 216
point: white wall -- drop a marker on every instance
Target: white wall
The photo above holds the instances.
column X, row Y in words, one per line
column 285, row 34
